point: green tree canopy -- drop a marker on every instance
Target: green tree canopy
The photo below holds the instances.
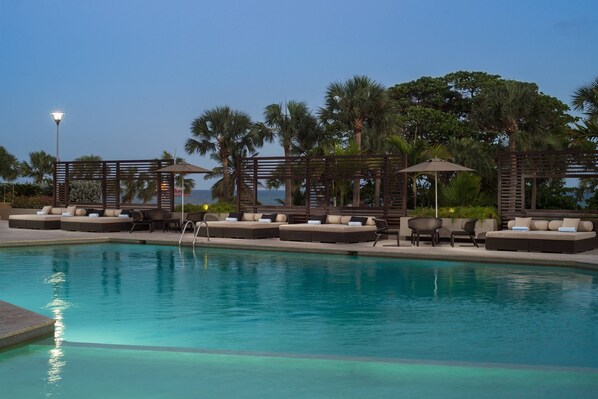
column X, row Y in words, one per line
column 224, row 134
column 9, row 165
column 40, row 167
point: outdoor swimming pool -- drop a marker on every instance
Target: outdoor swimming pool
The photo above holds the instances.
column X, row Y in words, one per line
column 157, row 321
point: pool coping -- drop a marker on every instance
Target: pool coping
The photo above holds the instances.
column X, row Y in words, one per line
column 19, row 326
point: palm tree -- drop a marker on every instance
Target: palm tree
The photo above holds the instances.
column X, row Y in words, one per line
column 518, row 111
column 39, row 167
column 9, row 165
column 352, row 106
column 186, row 184
column 222, row 133
column 585, row 99
column 417, row 151
column 509, row 108
column 294, row 126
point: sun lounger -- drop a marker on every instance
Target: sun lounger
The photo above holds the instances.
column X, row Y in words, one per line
column 332, row 228
column 247, row 225
column 47, row 218
column 108, row 220
column 543, row 236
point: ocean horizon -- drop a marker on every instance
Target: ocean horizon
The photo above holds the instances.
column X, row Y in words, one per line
column 198, row 197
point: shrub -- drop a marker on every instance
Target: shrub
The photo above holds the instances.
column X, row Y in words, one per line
column 459, row 212
column 219, row 207
column 85, row 192
column 35, row 202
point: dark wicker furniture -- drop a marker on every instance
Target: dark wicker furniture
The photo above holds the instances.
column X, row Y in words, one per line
column 383, row 230
column 468, row 229
column 425, row 226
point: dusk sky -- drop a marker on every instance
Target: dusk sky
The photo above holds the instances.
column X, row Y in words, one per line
column 131, row 75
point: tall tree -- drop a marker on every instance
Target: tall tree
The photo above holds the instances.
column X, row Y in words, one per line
column 417, row 151
column 294, row 126
column 9, row 165
column 585, row 99
column 222, row 133
column 40, row 167
column 352, row 106
column 185, row 184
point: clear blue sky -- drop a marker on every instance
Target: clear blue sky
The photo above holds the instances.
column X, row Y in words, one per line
column 131, row 75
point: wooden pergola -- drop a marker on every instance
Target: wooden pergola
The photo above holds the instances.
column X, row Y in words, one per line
column 113, row 178
column 320, row 177
column 515, row 168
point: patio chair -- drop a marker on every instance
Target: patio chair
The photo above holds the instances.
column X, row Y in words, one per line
column 468, row 229
column 382, row 229
column 140, row 219
column 425, row 226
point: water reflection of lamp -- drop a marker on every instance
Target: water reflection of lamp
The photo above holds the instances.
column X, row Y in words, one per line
column 57, row 306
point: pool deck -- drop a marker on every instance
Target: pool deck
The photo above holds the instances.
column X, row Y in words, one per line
column 463, row 251
column 19, row 325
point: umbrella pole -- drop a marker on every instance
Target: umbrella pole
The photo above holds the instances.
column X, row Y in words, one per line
column 182, row 202
column 436, row 190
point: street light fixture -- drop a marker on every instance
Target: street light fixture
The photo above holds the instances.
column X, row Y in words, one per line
column 57, row 116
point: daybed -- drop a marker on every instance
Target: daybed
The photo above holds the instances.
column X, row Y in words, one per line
column 331, row 228
column 108, row 220
column 247, row 225
column 48, row 218
column 544, row 236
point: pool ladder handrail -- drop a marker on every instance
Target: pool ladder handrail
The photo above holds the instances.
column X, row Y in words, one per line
column 195, row 219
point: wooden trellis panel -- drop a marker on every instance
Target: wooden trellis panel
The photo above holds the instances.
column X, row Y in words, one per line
column 515, row 167
column 318, row 176
column 114, row 178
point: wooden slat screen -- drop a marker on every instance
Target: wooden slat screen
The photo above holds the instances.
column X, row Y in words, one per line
column 515, row 167
column 317, row 176
column 114, row 179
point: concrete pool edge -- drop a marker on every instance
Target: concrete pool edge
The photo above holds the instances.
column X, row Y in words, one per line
column 20, row 326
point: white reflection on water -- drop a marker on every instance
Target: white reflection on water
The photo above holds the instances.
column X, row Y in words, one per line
column 56, row 360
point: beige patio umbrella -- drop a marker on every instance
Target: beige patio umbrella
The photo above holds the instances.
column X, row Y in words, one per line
column 436, row 165
column 183, row 168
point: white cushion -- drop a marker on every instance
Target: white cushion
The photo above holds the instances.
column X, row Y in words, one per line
column 46, row 209
column 568, row 222
column 231, row 219
column 354, row 224
column 567, row 230
column 41, row 213
column 525, row 222
column 333, row 219
column 94, row 215
column 248, row 217
column 265, row 220
column 314, row 222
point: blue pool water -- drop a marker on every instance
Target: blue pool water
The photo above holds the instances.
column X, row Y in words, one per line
column 297, row 325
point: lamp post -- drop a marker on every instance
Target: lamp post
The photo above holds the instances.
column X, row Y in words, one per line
column 57, row 116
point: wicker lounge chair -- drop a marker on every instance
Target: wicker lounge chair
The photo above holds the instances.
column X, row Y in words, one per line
column 426, row 226
column 544, row 236
column 107, row 220
column 247, row 225
column 337, row 228
column 48, row 218
column 383, row 230
column 468, row 229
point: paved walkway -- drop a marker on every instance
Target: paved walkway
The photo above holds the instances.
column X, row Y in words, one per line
column 462, row 251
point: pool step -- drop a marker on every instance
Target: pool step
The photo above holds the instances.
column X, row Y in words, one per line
column 19, row 326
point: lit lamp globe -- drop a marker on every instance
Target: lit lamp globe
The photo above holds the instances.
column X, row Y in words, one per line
column 57, row 116
column 205, row 207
